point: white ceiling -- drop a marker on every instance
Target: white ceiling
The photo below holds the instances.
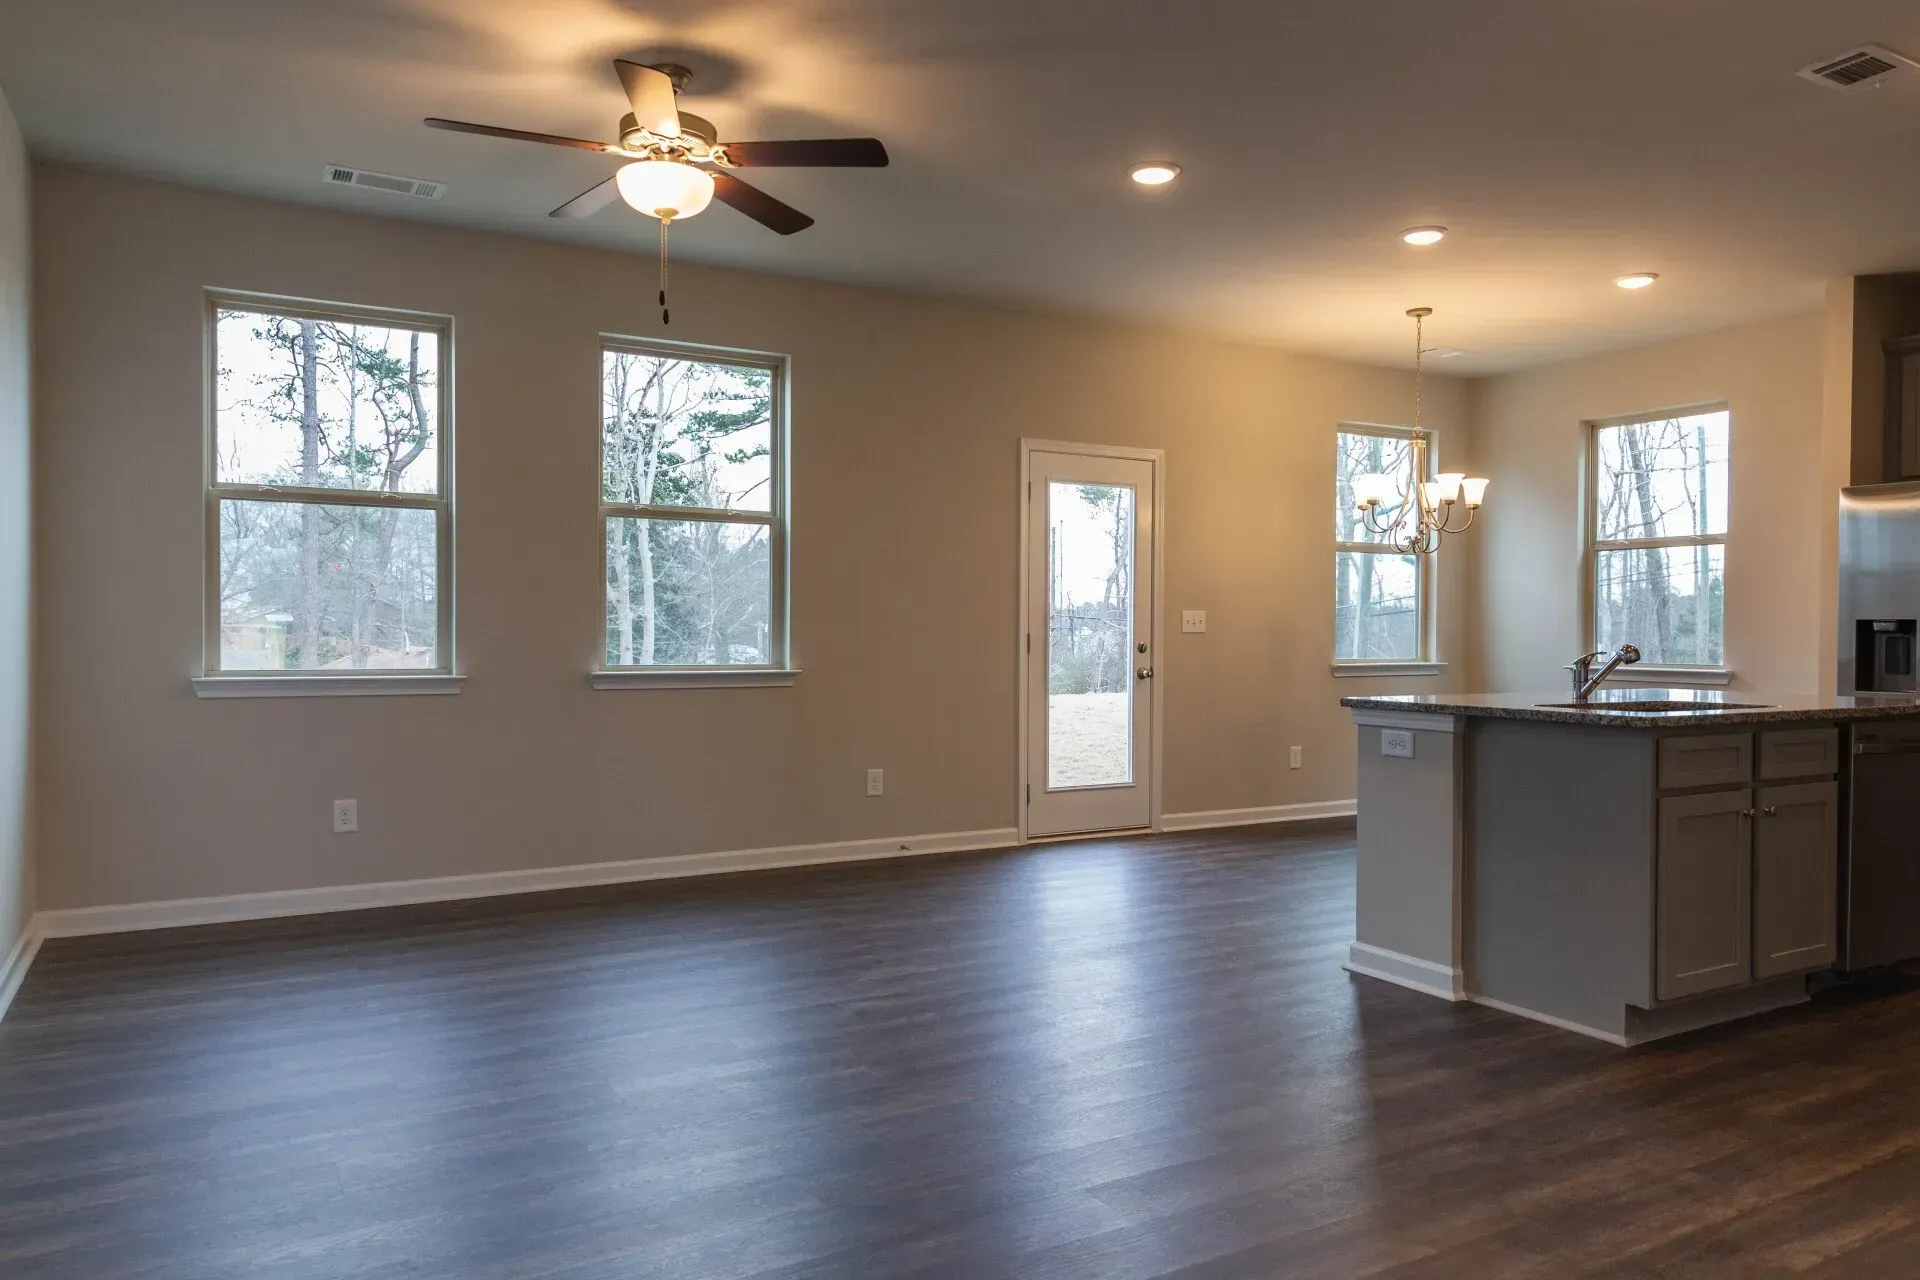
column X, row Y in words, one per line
column 1564, row 144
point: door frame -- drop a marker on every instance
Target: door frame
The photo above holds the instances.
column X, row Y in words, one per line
column 1157, row 619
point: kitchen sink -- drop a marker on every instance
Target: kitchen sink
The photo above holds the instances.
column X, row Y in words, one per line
column 1650, row 706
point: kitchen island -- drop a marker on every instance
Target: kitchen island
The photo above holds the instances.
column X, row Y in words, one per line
column 1630, row 867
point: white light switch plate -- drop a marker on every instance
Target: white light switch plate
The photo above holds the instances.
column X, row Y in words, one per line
column 1397, row 742
column 1193, row 620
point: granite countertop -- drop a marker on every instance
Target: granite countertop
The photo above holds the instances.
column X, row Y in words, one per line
column 1705, row 707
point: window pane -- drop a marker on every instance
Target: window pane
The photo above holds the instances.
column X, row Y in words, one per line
column 1665, row 479
column 1089, row 635
column 686, row 433
column 688, row 593
column 325, row 404
column 1653, row 597
column 1360, row 454
column 1376, row 606
column 307, row 587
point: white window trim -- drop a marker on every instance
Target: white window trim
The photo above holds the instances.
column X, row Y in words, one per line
column 694, row 678
column 216, row 683
column 776, row 673
column 306, row 685
column 1646, row 674
column 1427, row 662
column 1349, row 669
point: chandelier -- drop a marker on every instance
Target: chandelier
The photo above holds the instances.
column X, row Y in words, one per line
column 1416, row 516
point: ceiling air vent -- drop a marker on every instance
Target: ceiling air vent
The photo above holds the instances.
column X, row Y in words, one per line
column 1867, row 67
column 389, row 182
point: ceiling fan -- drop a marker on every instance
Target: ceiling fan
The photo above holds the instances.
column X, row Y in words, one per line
column 657, row 132
column 676, row 166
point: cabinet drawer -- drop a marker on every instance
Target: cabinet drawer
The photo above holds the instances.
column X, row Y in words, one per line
column 1800, row 753
column 1706, row 760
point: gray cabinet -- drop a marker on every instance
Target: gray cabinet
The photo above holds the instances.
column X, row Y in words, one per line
column 1703, row 923
column 1705, row 760
column 1795, row 860
column 1800, row 753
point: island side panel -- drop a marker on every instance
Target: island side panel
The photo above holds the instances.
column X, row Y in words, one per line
column 1408, row 854
column 1559, row 869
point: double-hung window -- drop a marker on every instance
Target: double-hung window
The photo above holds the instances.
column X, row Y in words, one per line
column 1657, row 526
column 692, row 500
column 1379, row 591
column 329, row 472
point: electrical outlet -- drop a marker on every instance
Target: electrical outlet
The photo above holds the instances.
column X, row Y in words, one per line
column 1193, row 621
column 1293, row 757
column 346, row 816
column 876, row 782
column 1397, row 742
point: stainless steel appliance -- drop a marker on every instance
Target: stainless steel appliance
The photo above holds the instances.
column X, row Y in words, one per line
column 1879, row 587
column 1879, row 630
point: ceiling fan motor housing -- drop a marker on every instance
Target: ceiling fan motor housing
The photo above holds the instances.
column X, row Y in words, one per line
column 633, row 138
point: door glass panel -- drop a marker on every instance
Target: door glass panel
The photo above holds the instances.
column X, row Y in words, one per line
column 1089, row 635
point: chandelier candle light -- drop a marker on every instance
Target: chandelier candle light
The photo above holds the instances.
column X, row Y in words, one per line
column 1430, row 502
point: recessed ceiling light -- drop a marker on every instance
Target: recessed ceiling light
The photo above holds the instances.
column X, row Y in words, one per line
column 1154, row 173
column 1424, row 235
column 1638, row 280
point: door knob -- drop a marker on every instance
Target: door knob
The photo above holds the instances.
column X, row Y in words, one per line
column 1145, row 673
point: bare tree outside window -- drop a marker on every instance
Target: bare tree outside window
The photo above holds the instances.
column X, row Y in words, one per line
column 1377, row 589
column 690, row 500
column 329, row 505
column 1659, row 537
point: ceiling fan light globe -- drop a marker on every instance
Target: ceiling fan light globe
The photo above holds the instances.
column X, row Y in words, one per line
column 665, row 188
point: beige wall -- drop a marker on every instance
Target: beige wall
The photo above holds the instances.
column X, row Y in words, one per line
column 907, row 414
column 1528, row 430
column 16, row 533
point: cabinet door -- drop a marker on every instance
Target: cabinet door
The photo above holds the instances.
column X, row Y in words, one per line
column 1796, row 856
column 1703, row 934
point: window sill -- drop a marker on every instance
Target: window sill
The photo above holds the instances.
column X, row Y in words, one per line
column 684, row 678
column 1644, row 675
column 322, row 686
column 1356, row 670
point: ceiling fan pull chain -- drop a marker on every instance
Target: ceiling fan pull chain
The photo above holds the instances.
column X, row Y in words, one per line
column 665, row 316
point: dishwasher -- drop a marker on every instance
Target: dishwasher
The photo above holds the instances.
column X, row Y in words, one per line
column 1880, row 871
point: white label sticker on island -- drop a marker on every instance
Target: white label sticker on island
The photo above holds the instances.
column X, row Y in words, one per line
column 1397, row 742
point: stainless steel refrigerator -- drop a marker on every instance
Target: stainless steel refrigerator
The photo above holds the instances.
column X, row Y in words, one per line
column 1879, row 629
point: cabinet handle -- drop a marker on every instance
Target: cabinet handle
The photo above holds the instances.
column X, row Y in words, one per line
column 1772, row 811
column 1746, row 813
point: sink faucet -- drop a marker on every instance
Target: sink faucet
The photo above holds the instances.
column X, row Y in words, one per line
column 1586, row 680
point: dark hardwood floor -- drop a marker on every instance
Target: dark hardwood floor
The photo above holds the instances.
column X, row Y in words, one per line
column 1113, row 1060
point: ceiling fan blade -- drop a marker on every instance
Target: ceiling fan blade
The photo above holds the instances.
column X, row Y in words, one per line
column 651, row 93
column 776, row 215
column 590, row 201
column 823, row 153
column 521, row 135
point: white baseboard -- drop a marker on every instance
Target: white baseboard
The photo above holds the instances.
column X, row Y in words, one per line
column 1249, row 817
column 1411, row 972
column 19, row 960
column 1578, row 1028
column 80, row 921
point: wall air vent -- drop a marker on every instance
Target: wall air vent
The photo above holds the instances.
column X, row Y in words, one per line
column 389, row 182
column 1867, row 67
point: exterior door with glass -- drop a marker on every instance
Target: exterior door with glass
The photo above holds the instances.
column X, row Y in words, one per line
column 1089, row 643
